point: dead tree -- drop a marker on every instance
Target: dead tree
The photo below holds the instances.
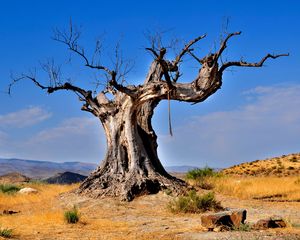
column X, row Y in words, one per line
column 131, row 166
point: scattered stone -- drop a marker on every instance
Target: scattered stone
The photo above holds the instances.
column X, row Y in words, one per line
column 9, row 212
column 226, row 220
column 28, row 190
column 272, row 222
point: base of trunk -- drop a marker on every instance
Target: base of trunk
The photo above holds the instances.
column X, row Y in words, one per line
column 128, row 187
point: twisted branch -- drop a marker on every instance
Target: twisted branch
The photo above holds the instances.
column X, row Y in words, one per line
column 246, row 64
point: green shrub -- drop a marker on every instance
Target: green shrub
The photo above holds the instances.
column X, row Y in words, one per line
column 168, row 192
column 200, row 173
column 9, row 188
column 203, row 177
column 5, row 232
column 293, row 159
column 244, row 227
column 193, row 203
column 72, row 216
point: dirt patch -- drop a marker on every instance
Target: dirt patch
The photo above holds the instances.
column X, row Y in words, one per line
column 144, row 218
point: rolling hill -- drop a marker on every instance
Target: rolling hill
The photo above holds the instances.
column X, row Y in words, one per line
column 65, row 178
column 286, row 165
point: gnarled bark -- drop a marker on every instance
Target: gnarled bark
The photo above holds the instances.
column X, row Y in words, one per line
column 131, row 166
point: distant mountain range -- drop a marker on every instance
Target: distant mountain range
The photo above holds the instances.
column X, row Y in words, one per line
column 45, row 169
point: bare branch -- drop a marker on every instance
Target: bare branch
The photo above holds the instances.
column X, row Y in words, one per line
column 113, row 82
column 153, row 52
column 246, row 64
column 195, row 57
column 24, row 77
column 224, row 44
column 187, row 49
column 70, row 39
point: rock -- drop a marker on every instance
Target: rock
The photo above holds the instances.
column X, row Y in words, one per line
column 228, row 219
column 9, row 212
column 272, row 222
column 28, row 190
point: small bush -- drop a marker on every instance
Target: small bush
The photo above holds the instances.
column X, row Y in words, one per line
column 193, row 203
column 9, row 188
column 72, row 216
column 5, row 232
column 168, row 192
column 200, row 173
column 203, row 177
column 244, row 227
column 297, row 181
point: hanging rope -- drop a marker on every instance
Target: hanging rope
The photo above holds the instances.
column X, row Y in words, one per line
column 169, row 114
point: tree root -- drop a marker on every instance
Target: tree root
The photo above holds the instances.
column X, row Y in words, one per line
column 128, row 187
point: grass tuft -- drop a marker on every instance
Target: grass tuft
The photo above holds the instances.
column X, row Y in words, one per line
column 6, row 232
column 194, row 203
column 9, row 188
column 244, row 227
column 72, row 216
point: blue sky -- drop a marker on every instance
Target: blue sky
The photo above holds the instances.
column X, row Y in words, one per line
column 255, row 114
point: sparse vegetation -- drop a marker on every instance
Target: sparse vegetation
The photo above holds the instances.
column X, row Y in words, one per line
column 256, row 187
column 287, row 165
column 168, row 192
column 72, row 216
column 297, row 181
column 244, row 227
column 43, row 213
column 198, row 173
column 9, row 188
column 294, row 159
column 6, row 232
column 194, row 203
column 202, row 177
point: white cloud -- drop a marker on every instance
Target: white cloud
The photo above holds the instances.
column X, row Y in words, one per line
column 267, row 125
column 24, row 118
column 72, row 126
column 74, row 139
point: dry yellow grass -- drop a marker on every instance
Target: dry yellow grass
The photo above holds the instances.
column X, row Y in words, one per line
column 259, row 187
column 46, row 192
column 36, row 210
column 41, row 216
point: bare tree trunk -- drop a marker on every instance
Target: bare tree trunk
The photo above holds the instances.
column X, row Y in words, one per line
column 131, row 166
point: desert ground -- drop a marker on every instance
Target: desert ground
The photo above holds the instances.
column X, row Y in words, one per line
column 41, row 215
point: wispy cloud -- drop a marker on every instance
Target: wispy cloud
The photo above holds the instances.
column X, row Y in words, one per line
column 24, row 118
column 74, row 139
column 269, row 124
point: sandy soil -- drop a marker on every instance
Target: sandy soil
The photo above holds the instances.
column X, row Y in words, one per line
column 144, row 218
